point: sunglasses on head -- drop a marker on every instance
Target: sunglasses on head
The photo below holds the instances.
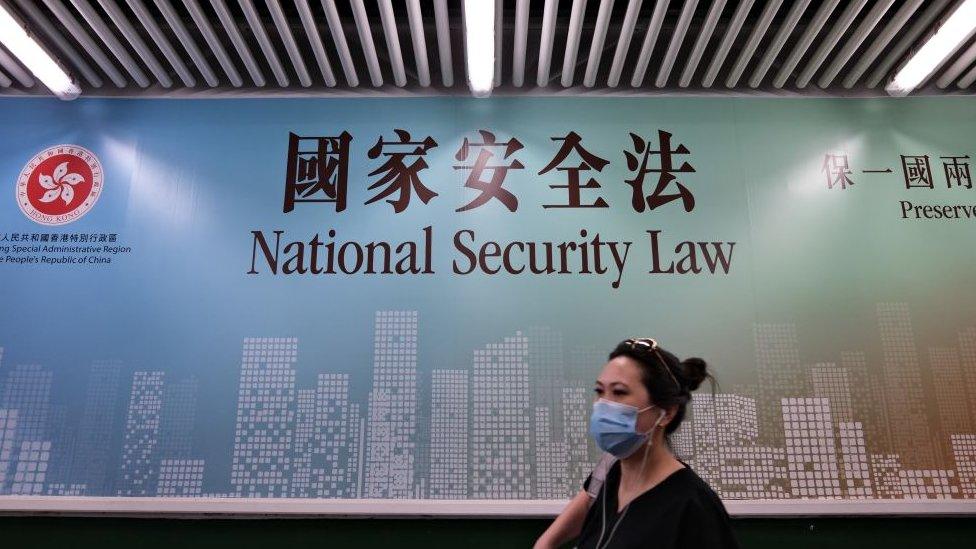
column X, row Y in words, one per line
column 650, row 344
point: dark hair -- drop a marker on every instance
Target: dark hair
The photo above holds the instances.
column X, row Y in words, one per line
column 669, row 383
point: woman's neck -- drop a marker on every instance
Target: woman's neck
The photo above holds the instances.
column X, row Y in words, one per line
column 660, row 463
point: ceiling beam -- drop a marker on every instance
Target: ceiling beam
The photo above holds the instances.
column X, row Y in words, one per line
column 30, row 8
column 573, row 34
column 922, row 22
column 291, row 47
column 814, row 28
column 549, row 10
column 444, row 42
column 86, row 42
column 779, row 40
column 857, row 38
column 366, row 40
column 230, row 27
column 704, row 35
column 738, row 18
column 677, row 40
column 650, row 39
column 416, row 19
column 755, row 37
column 203, row 25
column 837, row 30
column 339, row 39
column 315, row 42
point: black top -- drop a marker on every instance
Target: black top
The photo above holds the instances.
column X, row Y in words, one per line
column 681, row 511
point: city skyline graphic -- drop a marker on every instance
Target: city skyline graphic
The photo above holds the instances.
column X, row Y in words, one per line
column 510, row 424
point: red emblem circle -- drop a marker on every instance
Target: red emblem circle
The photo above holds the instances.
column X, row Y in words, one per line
column 59, row 185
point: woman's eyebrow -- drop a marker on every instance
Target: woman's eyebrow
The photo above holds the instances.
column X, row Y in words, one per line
column 620, row 383
column 613, row 384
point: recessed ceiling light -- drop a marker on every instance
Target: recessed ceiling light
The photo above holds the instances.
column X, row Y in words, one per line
column 16, row 39
column 957, row 29
column 479, row 45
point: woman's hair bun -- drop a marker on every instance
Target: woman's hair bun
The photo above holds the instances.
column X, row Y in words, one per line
column 695, row 372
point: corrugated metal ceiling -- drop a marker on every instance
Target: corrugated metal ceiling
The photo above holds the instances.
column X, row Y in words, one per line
column 411, row 47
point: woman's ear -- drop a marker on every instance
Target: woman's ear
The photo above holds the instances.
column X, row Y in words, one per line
column 669, row 414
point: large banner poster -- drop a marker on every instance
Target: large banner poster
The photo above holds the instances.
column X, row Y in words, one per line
column 389, row 299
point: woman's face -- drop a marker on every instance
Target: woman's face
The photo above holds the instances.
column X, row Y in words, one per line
column 620, row 381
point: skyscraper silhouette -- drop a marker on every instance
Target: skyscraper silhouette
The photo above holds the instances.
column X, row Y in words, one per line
column 810, row 447
column 28, row 390
column 392, row 425
column 140, row 466
column 94, row 462
column 8, row 431
column 779, row 374
column 263, row 434
column 449, row 428
column 500, row 435
column 330, row 449
column 903, row 386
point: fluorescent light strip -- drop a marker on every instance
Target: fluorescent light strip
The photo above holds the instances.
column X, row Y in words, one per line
column 479, row 45
column 958, row 28
column 15, row 38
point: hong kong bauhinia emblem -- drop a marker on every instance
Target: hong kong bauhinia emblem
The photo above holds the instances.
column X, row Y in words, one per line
column 60, row 184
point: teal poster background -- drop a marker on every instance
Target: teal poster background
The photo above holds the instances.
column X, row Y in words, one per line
column 840, row 325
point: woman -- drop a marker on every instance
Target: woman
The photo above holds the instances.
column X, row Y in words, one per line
column 648, row 497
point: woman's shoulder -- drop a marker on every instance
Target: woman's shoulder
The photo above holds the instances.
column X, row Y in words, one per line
column 691, row 478
column 683, row 484
column 704, row 521
column 702, row 498
column 607, row 469
column 684, row 478
column 694, row 487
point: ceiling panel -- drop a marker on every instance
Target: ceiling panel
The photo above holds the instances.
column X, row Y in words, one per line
column 149, row 48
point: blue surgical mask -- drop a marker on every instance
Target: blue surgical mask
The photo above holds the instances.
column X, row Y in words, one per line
column 613, row 427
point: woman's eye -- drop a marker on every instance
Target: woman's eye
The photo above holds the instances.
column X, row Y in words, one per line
column 598, row 391
column 620, row 393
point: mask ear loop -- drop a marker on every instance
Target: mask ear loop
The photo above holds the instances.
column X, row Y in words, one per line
column 648, row 444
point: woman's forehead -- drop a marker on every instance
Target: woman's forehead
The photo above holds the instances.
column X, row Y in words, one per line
column 621, row 369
